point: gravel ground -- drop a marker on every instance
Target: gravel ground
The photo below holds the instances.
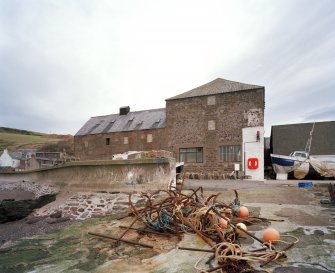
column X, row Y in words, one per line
column 16, row 194
column 12, row 231
column 29, row 226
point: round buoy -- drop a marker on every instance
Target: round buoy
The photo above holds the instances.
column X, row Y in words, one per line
column 271, row 235
column 223, row 223
column 242, row 226
column 243, row 212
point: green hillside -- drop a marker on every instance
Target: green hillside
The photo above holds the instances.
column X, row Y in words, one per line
column 14, row 139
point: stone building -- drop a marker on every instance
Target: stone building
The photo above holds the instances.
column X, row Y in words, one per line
column 49, row 159
column 103, row 136
column 205, row 124
column 201, row 127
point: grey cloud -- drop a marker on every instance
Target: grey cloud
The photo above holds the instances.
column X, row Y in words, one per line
column 322, row 114
column 43, row 87
column 37, row 94
column 297, row 63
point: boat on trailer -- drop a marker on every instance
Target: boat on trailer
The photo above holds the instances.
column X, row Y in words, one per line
column 297, row 162
column 301, row 164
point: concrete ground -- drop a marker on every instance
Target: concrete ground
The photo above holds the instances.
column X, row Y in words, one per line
column 245, row 184
column 304, row 215
column 293, row 211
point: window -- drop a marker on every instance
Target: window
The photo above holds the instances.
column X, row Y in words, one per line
column 211, row 100
column 86, row 144
column 149, row 138
column 230, row 153
column 211, row 125
column 191, row 155
column 108, row 140
column 125, row 140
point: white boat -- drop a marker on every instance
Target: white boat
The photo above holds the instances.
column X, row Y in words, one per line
column 297, row 162
column 300, row 164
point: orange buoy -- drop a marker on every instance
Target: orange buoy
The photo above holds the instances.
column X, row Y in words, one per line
column 271, row 235
column 243, row 212
column 223, row 223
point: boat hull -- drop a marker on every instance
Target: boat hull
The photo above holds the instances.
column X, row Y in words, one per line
column 323, row 165
column 282, row 165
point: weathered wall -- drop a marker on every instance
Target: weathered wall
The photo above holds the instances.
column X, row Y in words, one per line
column 95, row 147
column 197, row 122
column 116, row 175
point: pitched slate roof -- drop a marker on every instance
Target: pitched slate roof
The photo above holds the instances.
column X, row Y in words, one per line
column 14, row 155
column 133, row 121
column 217, row 86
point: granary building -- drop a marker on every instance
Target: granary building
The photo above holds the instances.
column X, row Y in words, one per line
column 201, row 127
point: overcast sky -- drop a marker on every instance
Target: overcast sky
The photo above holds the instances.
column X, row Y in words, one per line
column 64, row 61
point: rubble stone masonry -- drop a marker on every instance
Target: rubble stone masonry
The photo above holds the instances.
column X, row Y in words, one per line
column 210, row 122
column 99, row 147
column 207, row 122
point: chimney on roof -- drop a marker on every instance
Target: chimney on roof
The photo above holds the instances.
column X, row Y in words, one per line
column 124, row 110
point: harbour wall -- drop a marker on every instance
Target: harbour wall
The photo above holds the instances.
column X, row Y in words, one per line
column 107, row 175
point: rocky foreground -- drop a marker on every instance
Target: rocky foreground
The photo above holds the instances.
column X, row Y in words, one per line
column 28, row 208
column 72, row 248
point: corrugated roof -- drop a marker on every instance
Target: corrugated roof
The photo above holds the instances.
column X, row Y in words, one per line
column 288, row 138
column 217, row 86
column 133, row 121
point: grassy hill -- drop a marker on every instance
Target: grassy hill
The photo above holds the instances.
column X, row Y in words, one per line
column 14, row 139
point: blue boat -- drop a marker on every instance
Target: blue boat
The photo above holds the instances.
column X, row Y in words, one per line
column 283, row 164
column 282, row 161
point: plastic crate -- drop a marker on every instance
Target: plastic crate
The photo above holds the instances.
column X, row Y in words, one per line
column 305, row 184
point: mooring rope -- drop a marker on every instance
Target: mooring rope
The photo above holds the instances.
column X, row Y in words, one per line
column 226, row 252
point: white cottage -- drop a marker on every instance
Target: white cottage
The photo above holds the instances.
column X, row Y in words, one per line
column 8, row 159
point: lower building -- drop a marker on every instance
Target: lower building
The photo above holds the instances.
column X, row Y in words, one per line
column 48, row 159
column 10, row 159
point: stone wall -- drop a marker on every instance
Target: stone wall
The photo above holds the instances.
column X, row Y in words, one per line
column 111, row 175
column 210, row 122
column 96, row 147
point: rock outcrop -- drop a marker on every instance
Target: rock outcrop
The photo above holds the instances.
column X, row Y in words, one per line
column 11, row 210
